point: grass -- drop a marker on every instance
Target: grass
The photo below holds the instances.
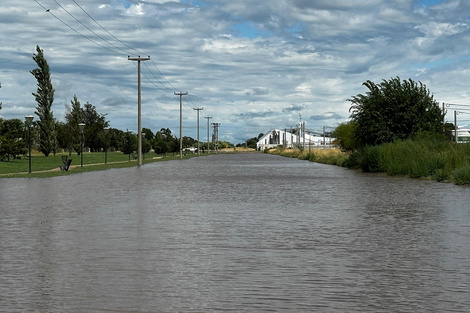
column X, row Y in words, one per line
column 42, row 166
column 425, row 156
column 422, row 157
column 326, row 156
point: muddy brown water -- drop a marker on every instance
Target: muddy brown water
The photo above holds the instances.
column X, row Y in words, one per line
column 236, row 232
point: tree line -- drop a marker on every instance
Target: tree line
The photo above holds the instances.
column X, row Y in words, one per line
column 48, row 135
column 391, row 110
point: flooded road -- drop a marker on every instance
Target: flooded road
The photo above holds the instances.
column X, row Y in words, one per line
column 237, row 232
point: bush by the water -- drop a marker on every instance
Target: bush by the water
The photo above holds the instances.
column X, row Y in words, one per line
column 422, row 156
column 325, row 156
column 461, row 175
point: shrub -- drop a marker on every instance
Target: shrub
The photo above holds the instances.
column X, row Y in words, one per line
column 369, row 159
column 461, row 175
column 441, row 175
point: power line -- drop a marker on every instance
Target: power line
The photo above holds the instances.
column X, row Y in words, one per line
column 100, row 37
column 73, row 29
column 116, row 48
column 97, row 35
column 456, row 104
column 91, row 17
column 163, row 76
column 157, row 79
column 125, row 44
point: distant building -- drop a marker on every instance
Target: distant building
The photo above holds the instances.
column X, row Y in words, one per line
column 294, row 138
column 463, row 135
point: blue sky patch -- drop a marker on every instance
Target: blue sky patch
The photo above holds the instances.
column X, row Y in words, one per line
column 430, row 2
column 125, row 3
column 249, row 30
column 434, row 64
column 296, row 29
column 197, row 3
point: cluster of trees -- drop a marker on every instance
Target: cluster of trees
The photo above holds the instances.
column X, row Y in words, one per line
column 49, row 135
column 12, row 139
column 251, row 143
column 389, row 111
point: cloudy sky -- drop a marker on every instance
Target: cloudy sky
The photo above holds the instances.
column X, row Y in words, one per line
column 251, row 65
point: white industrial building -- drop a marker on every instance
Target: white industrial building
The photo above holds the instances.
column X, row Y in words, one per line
column 463, row 135
column 288, row 139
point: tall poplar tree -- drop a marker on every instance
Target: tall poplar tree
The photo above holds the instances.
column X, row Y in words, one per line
column 74, row 117
column 44, row 97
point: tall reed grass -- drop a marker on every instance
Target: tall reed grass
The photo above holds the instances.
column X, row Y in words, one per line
column 424, row 156
column 326, row 156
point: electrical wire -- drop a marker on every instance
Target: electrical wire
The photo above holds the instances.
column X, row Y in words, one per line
column 94, row 33
column 109, row 33
column 73, row 29
column 116, row 48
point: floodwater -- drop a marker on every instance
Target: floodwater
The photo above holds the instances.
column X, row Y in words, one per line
column 237, row 232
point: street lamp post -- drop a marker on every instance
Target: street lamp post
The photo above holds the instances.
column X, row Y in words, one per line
column 129, row 132
column 29, row 121
column 82, row 128
column 143, row 151
column 106, row 129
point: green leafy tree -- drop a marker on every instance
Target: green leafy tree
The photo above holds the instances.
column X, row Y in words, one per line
column 345, row 135
column 149, row 135
column 394, row 110
column 147, row 139
column 130, row 143
column 161, row 147
column 44, row 98
column 62, row 134
column 74, row 116
column 12, row 133
column 94, row 127
column 251, row 143
column 146, row 145
column 189, row 142
column 225, row 145
column 115, row 139
column 172, row 143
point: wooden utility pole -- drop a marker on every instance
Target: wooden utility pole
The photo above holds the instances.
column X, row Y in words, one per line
column 456, row 128
column 208, row 118
column 139, row 122
column 215, row 136
column 198, row 109
column 181, row 94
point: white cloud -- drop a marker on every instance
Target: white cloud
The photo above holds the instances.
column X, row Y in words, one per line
column 306, row 54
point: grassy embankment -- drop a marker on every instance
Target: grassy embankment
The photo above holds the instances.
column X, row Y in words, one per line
column 429, row 157
column 42, row 166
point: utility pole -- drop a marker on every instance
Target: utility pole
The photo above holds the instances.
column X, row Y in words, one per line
column 181, row 94
column 215, row 136
column 208, row 118
column 443, row 118
column 139, row 122
column 284, row 138
column 456, row 127
column 291, row 138
column 198, row 109
column 303, row 135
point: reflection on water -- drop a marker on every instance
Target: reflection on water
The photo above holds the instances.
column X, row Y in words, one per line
column 241, row 232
